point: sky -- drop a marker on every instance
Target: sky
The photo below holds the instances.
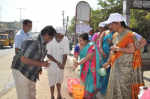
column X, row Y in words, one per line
column 41, row 12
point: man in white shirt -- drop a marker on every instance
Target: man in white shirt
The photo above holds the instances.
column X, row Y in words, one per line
column 58, row 49
column 22, row 34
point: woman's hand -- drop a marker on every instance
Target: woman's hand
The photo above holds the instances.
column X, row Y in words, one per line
column 105, row 65
column 114, row 48
column 75, row 63
column 104, row 55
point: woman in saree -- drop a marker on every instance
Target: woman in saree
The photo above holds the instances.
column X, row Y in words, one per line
column 106, row 40
column 89, row 64
column 126, row 74
column 96, row 37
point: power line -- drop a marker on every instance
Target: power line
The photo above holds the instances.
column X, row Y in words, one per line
column 8, row 12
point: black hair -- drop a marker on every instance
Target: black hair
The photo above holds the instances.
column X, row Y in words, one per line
column 92, row 29
column 26, row 21
column 48, row 30
column 123, row 24
column 84, row 36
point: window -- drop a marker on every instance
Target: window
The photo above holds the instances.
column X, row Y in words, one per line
column 3, row 37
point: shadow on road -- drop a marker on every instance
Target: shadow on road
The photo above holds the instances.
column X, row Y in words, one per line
column 148, row 79
column 5, row 47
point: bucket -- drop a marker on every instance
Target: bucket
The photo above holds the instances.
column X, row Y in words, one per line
column 78, row 91
column 71, row 82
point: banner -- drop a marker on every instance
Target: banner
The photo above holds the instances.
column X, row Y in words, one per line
column 82, row 28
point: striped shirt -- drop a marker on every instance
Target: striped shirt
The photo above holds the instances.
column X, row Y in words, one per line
column 34, row 48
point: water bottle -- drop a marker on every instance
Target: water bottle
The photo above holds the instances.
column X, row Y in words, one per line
column 102, row 71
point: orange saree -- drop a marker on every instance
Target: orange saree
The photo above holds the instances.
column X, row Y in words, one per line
column 126, row 72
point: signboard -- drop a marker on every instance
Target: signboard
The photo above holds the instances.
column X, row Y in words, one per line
column 140, row 4
column 83, row 11
column 82, row 28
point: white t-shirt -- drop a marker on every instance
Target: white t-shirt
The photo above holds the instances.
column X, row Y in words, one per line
column 137, row 36
column 57, row 50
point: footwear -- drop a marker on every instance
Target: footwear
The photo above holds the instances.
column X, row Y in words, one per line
column 52, row 97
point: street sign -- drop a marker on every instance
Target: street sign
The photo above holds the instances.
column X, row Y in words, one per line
column 140, row 4
column 82, row 19
column 83, row 11
column 82, row 28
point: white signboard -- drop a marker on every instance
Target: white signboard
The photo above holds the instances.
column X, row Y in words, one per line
column 146, row 4
column 137, row 3
column 140, row 4
column 82, row 28
column 83, row 11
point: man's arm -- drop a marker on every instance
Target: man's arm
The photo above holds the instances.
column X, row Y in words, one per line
column 32, row 62
column 29, row 50
column 142, row 42
column 17, row 43
column 52, row 58
column 64, row 59
column 16, row 49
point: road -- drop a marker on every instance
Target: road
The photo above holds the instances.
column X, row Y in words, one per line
column 6, row 50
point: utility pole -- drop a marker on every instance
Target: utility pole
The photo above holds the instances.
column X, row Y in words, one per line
column 63, row 18
column 126, row 11
column 0, row 15
column 20, row 15
column 35, row 25
column 67, row 24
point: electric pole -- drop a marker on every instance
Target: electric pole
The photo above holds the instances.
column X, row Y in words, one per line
column 0, row 15
column 63, row 18
column 67, row 24
column 126, row 11
column 20, row 15
column 35, row 25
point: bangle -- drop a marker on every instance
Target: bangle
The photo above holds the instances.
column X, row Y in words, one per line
column 118, row 49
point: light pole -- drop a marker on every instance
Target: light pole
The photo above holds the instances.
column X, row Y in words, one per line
column 35, row 25
column 67, row 24
column 20, row 15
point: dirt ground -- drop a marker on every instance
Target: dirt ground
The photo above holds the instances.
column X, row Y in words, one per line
column 43, row 90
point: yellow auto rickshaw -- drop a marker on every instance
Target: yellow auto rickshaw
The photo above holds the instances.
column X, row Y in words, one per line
column 6, row 40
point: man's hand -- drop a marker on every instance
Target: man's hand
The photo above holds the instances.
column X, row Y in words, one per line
column 40, row 72
column 62, row 66
column 59, row 64
column 46, row 63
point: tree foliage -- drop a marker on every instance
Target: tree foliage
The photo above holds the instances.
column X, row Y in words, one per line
column 139, row 19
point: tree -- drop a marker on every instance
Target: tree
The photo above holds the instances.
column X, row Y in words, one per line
column 139, row 19
column 71, row 28
column 107, row 7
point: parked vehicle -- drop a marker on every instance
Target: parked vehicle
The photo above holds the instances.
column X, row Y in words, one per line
column 6, row 39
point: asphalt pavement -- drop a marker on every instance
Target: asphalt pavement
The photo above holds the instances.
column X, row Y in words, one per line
column 6, row 50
